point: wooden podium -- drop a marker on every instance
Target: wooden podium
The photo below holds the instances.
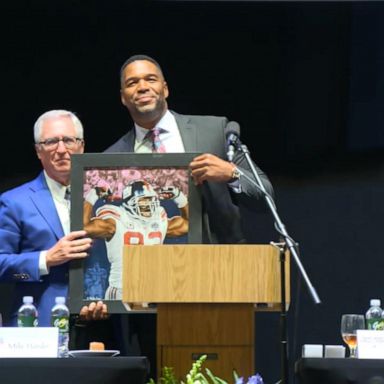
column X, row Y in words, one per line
column 206, row 297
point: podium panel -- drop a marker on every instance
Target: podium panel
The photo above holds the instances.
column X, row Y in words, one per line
column 201, row 273
column 206, row 297
column 224, row 332
column 221, row 360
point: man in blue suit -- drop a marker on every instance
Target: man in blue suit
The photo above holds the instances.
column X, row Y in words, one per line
column 35, row 239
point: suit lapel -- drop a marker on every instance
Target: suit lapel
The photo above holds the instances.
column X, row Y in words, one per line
column 188, row 132
column 43, row 201
column 130, row 140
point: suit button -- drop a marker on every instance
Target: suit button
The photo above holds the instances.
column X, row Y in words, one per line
column 21, row 276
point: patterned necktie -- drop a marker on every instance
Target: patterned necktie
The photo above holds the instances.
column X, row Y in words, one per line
column 67, row 196
column 154, row 135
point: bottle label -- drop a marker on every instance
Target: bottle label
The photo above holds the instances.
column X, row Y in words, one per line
column 375, row 324
column 60, row 322
column 27, row 321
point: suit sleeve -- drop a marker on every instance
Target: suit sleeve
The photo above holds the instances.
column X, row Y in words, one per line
column 15, row 266
column 249, row 189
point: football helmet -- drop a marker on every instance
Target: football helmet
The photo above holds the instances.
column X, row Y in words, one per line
column 141, row 200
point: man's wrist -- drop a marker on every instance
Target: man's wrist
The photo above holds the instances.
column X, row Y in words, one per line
column 235, row 176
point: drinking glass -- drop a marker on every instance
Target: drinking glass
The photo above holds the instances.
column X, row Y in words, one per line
column 350, row 323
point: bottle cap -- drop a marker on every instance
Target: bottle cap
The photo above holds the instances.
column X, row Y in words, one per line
column 60, row 300
column 375, row 302
column 27, row 299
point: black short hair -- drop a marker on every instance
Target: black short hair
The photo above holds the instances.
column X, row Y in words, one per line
column 137, row 58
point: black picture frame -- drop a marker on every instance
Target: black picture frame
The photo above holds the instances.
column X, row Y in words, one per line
column 124, row 167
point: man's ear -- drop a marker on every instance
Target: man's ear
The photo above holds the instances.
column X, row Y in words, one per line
column 37, row 151
column 166, row 90
column 122, row 98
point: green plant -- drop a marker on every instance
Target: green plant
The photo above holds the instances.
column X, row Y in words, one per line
column 167, row 377
column 196, row 376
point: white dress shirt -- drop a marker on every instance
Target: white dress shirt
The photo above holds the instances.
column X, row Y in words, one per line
column 171, row 138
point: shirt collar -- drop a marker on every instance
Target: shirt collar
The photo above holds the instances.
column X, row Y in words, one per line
column 167, row 122
column 57, row 189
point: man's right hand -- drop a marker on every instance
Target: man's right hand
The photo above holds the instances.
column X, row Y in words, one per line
column 94, row 311
column 70, row 247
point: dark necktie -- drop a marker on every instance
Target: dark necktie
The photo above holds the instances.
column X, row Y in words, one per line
column 67, row 196
column 154, row 136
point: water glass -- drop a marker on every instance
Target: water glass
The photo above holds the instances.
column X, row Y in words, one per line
column 350, row 323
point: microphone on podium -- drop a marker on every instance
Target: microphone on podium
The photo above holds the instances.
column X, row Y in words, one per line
column 232, row 134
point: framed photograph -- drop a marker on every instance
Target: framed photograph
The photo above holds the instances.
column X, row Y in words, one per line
column 127, row 199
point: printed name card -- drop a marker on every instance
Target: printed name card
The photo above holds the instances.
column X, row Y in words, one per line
column 370, row 344
column 28, row 342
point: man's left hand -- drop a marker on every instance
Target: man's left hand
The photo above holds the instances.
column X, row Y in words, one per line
column 211, row 168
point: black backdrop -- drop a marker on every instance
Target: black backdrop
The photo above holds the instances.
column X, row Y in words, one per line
column 304, row 80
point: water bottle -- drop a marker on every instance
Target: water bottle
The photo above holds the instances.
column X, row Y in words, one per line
column 27, row 313
column 373, row 316
column 60, row 319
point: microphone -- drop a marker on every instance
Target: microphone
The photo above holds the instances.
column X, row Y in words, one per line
column 232, row 133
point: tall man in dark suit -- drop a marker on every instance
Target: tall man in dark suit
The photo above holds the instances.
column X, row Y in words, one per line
column 144, row 92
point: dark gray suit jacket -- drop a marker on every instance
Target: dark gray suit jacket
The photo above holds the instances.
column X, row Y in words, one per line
column 206, row 134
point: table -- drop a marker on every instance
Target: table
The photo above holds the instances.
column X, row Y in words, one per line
column 339, row 371
column 84, row 370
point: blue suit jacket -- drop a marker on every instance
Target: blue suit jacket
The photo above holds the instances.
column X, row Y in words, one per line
column 29, row 223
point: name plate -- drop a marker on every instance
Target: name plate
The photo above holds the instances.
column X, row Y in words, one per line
column 28, row 341
column 370, row 344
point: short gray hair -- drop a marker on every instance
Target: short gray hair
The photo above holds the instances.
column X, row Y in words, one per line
column 56, row 113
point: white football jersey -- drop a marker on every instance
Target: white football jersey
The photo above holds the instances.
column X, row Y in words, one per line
column 129, row 231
